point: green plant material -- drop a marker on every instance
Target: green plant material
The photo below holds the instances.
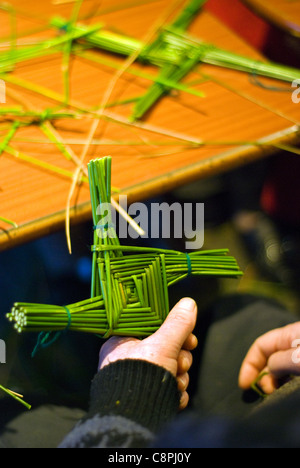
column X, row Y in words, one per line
column 163, row 55
column 165, row 81
column 41, row 164
column 135, row 296
column 129, row 285
column 13, row 27
column 67, row 52
column 16, row 396
column 51, row 46
column 34, row 117
column 189, row 12
column 109, row 116
column 51, row 133
column 110, row 142
column 100, row 38
column 41, row 118
column 155, row 92
column 288, row 148
column 122, row 5
column 173, row 72
column 157, row 143
column 171, row 48
column 41, row 90
column 8, row 221
column 118, row 44
column 210, row 54
column 11, row 133
column 255, row 385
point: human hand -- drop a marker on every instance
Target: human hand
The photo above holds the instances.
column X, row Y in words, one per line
column 169, row 347
column 274, row 353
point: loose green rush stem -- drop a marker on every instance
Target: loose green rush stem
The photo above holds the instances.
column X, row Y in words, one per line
column 8, row 221
column 187, row 15
column 32, row 117
column 10, row 135
column 167, row 82
column 8, row 61
column 16, row 396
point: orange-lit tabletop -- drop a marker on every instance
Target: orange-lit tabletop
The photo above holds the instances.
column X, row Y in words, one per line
column 285, row 14
column 183, row 139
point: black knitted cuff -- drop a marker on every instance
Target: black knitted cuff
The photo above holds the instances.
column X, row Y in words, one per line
column 137, row 390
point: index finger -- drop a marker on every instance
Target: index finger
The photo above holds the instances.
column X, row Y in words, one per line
column 263, row 348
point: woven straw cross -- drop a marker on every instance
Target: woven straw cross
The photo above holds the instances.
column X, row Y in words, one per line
column 129, row 285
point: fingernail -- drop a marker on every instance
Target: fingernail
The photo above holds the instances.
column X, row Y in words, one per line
column 181, row 384
column 187, row 303
column 186, row 365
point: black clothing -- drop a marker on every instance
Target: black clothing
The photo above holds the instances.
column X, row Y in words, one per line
column 134, row 403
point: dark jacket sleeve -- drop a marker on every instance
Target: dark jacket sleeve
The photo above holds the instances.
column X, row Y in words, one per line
column 274, row 422
column 130, row 401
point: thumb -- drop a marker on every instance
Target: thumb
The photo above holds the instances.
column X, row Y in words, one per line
column 180, row 323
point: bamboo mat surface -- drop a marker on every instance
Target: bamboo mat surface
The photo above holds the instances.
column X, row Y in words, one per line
column 182, row 139
column 284, row 14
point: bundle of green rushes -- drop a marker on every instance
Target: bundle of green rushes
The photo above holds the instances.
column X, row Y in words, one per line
column 129, row 285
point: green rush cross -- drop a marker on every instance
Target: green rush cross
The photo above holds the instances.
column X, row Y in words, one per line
column 129, row 285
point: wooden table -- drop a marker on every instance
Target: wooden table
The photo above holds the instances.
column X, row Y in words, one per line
column 284, row 14
column 238, row 121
